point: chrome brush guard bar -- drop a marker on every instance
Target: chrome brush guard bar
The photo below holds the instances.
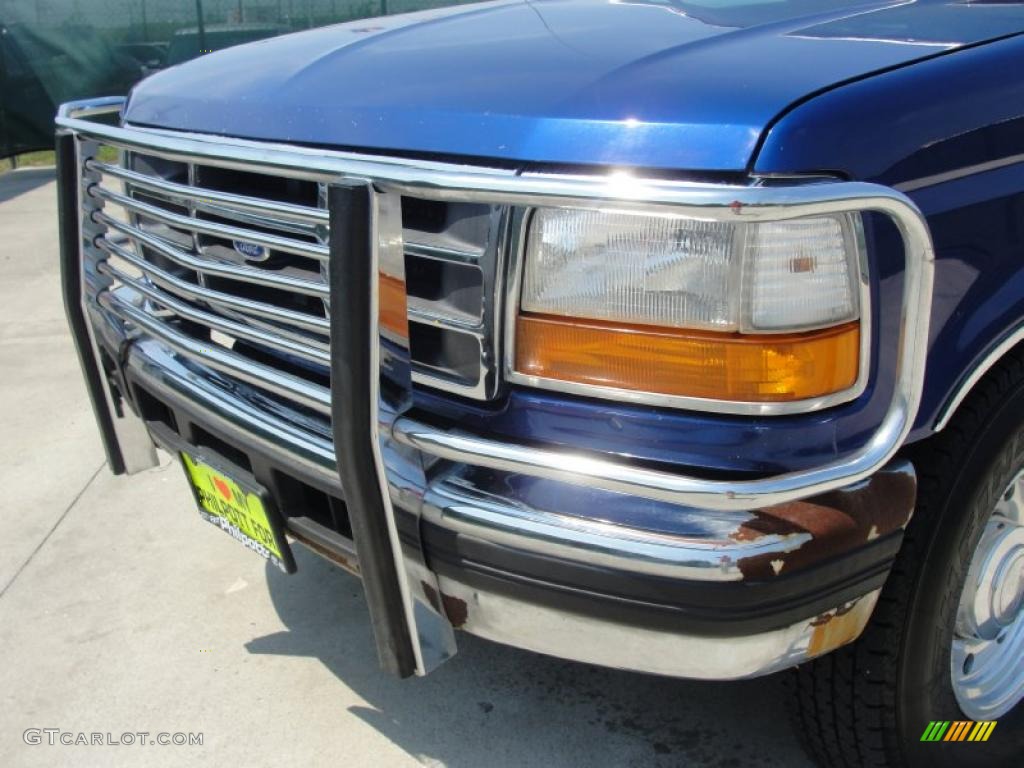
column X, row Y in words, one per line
column 400, row 441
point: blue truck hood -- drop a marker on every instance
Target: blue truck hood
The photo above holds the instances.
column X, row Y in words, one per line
column 653, row 83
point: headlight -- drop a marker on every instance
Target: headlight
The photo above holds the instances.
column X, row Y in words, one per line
column 667, row 305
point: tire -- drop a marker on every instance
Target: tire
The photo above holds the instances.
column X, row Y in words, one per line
column 868, row 704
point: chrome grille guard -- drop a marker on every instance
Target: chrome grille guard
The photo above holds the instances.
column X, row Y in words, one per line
column 365, row 193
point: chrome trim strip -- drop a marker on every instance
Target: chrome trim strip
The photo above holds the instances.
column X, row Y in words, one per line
column 421, row 311
column 588, row 639
column 438, row 381
column 217, row 298
column 442, row 254
column 215, row 199
column 596, row 542
column 448, row 181
column 983, row 366
column 959, row 173
column 205, row 227
column 610, row 475
column 245, row 274
column 312, row 396
column 216, row 322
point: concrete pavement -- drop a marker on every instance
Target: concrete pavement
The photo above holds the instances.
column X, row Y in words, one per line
column 121, row 611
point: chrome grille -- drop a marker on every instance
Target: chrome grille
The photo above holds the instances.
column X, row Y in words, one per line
column 453, row 259
column 169, row 251
column 229, row 268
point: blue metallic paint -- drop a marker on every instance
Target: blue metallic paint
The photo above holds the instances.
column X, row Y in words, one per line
column 954, row 140
column 645, row 84
column 680, row 86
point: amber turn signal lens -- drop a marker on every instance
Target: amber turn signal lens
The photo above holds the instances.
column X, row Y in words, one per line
column 720, row 366
column 392, row 311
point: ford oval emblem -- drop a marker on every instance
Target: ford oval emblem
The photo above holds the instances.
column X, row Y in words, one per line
column 251, row 251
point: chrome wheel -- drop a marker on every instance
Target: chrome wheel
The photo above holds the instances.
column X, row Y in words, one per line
column 987, row 660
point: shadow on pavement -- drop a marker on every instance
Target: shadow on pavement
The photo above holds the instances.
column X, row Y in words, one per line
column 494, row 705
column 15, row 183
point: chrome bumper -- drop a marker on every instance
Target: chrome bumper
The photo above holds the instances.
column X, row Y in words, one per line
column 556, row 633
column 406, row 453
column 717, row 548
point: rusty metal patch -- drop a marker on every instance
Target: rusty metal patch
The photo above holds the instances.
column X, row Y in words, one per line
column 837, row 521
column 837, row 628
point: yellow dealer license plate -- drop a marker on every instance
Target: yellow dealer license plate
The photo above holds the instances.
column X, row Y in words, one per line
column 239, row 507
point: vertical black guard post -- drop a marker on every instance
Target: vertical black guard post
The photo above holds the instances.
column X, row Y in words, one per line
column 350, row 284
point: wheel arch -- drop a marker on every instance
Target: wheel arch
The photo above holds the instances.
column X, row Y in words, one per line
column 1010, row 342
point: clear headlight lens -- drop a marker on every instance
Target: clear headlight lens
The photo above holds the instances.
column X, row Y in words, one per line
column 685, row 273
column 751, row 311
column 799, row 274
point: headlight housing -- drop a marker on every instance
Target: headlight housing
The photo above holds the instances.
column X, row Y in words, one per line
column 680, row 307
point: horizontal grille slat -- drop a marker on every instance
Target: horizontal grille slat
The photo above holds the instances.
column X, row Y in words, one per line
column 422, row 312
column 426, row 251
column 220, row 269
column 258, row 374
column 221, row 324
column 207, row 227
column 275, row 212
column 309, row 231
column 249, row 307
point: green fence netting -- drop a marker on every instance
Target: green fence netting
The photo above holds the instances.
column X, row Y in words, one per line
column 57, row 50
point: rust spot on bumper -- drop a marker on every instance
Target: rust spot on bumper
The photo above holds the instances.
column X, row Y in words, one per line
column 843, row 626
column 453, row 607
column 836, row 522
